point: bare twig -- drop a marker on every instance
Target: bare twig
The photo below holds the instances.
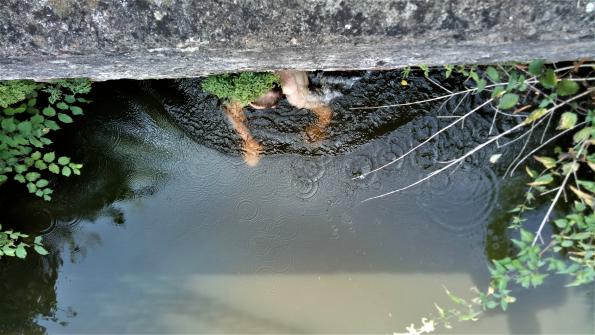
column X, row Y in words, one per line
column 363, row 175
column 462, row 158
column 427, row 100
column 543, row 145
column 556, row 198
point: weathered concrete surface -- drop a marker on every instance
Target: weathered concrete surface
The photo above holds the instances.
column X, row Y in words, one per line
column 109, row 39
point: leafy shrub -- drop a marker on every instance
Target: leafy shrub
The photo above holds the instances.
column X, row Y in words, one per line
column 567, row 173
column 25, row 125
column 12, row 244
column 243, row 87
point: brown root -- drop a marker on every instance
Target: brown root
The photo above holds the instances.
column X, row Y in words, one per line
column 250, row 147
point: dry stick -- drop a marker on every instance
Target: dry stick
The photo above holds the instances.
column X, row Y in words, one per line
column 462, row 158
column 543, row 145
column 427, row 100
column 551, row 208
column 520, row 154
column 462, row 117
column 471, row 152
column 437, row 84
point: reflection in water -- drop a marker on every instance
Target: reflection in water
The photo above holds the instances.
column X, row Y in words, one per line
column 163, row 234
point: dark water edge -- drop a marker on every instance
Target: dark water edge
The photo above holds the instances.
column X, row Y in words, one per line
column 168, row 231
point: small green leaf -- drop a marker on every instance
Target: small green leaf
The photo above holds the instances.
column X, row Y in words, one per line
column 24, row 127
column 41, row 183
column 76, row 110
column 536, row 67
column 493, row 74
column 535, row 115
column 49, row 157
column 40, row 165
column 38, row 239
column 31, row 188
column 63, row 160
column 548, row 162
column 481, row 84
column 32, row 176
column 40, row 250
column 54, row 168
column 36, row 155
column 508, row 101
column 66, row 171
column 567, row 120
column 542, row 180
column 548, row 79
column 62, row 105
column 21, row 252
column 566, row 88
column 69, row 99
column 64, row 118
column 49, row 111
column 582, row 134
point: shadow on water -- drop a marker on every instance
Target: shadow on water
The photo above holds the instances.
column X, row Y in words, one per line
column 167, row 230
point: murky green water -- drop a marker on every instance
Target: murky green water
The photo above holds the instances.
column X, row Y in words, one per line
column 167, row 232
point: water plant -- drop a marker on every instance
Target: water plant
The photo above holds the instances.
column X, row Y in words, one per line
column 30, row 112
column 13, row 244
column 537, row 93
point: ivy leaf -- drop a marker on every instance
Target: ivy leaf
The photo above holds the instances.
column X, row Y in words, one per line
column 62, row 105
column 536, row 67
column 69, row 98
column 508, row 101
column 548, row 79
column 566, row 88
column 567, row 120
column 64, row 118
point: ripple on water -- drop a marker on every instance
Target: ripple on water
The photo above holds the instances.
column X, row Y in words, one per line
column 461, row 200
column 306, row 173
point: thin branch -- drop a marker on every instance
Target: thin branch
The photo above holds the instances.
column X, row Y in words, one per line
column 543, row 145
column 556, row 198
column 427, row 100
column 458, row 160
column 519, row 155
column 437, row 84
column 363, row 175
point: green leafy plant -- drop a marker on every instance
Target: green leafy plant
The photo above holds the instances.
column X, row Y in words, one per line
column 30, row 112
column 243, row 87
column 13, row 244
column 534, row 92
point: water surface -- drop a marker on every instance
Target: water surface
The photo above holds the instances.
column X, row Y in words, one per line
column 168, row 231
